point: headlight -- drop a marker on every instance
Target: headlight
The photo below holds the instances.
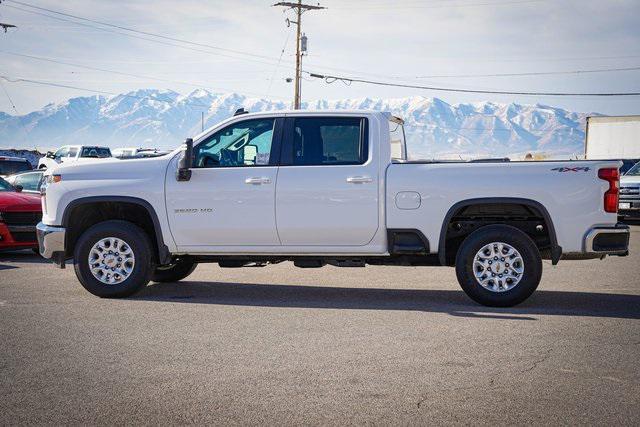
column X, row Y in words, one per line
column 47, row 181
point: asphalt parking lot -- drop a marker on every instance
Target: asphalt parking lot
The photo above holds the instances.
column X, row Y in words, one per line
column 381, row 345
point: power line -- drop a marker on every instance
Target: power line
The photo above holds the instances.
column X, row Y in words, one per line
column 103, row 92
column 161, row 42
column 4, row 89
column 538, row 73
column 331, row 79
column 104, row 70
column 146, row 33
column 279, row 60
column 437, row 6
column 191, row 48
column 275, row 70
column 23, row 126
column 424, row 126
column 181, row 46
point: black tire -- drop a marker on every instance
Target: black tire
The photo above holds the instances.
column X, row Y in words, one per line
column 140, row 245
column 531, row 258
column 174, row 272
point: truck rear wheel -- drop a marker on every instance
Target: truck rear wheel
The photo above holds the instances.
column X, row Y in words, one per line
column 113, row 259
column 498, row 266
column 177, row 270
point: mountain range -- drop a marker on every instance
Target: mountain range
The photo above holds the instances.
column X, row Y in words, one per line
column 164, row 118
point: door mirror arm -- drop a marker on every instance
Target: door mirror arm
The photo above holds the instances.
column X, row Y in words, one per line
column 186, row 162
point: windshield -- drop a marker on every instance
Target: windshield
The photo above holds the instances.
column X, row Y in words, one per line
column 9, row 167
column 95, row 152
column 634, row 171
column 5, row 186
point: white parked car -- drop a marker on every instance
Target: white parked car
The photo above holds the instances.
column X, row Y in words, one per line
column 29, row 181
column 73, row 153
column 330, row 187
column 132, row 152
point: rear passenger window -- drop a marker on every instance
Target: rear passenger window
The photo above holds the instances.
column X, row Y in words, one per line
column 329, row 141
column 73, row 152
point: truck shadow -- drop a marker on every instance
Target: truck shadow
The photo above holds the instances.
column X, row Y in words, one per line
column 7, row 258
column 452, row 302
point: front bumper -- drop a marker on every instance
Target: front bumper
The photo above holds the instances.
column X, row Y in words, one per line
column 17, row 236
column 51, row 242
column 613, row 240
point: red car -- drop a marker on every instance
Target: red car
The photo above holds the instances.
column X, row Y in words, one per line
column 19, row 214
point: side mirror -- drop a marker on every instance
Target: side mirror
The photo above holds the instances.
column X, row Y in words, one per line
column 49, row 155
column 186, row 162
column 250, row 154
column 19, row 188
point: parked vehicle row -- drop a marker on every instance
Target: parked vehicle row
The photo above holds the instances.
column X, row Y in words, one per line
column 326, row 187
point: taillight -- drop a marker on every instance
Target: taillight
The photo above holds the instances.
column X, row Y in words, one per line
column 612, row 176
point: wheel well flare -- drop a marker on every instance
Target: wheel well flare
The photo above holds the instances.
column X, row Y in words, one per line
column 465, row 218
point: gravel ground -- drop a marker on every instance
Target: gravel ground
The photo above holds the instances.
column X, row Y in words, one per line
column 380, row 345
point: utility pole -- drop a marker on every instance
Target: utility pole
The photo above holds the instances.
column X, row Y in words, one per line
column 300, row 8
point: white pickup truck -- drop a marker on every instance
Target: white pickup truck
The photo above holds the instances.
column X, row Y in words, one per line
column 317, row 188
column 71, row 154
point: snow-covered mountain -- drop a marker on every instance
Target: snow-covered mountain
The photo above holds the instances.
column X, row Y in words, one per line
column 163, row 118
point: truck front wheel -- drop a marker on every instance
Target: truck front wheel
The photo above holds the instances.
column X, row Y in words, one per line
column 177, row 270
column 113, row 259
column 498, row 266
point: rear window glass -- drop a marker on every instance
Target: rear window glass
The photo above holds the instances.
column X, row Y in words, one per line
column 329, row 141
column 397, row 140
column 9, row 167
column 97, row 152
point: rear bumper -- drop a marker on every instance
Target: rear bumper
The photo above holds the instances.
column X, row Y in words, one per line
column 612, row 240
column 51, row 242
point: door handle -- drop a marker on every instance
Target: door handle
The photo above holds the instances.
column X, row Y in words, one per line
column 257, row 180
column 359, row 179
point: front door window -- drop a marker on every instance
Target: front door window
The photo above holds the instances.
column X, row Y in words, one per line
column 247, row 143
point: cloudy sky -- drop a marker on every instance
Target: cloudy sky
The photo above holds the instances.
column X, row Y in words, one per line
column 450, row 43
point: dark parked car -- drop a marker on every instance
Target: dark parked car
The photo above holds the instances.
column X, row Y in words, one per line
column 11, row 165
column 627, row 164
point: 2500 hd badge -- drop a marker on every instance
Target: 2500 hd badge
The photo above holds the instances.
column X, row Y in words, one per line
column 193, row 210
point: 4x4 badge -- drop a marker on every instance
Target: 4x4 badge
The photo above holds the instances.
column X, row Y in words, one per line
column 575, row 169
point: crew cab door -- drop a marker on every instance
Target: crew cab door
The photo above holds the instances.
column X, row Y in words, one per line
column 229, row 200
column 327, row 191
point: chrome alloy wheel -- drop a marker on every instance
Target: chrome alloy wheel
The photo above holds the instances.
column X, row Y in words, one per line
column 111, row 260
column 498, row 267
